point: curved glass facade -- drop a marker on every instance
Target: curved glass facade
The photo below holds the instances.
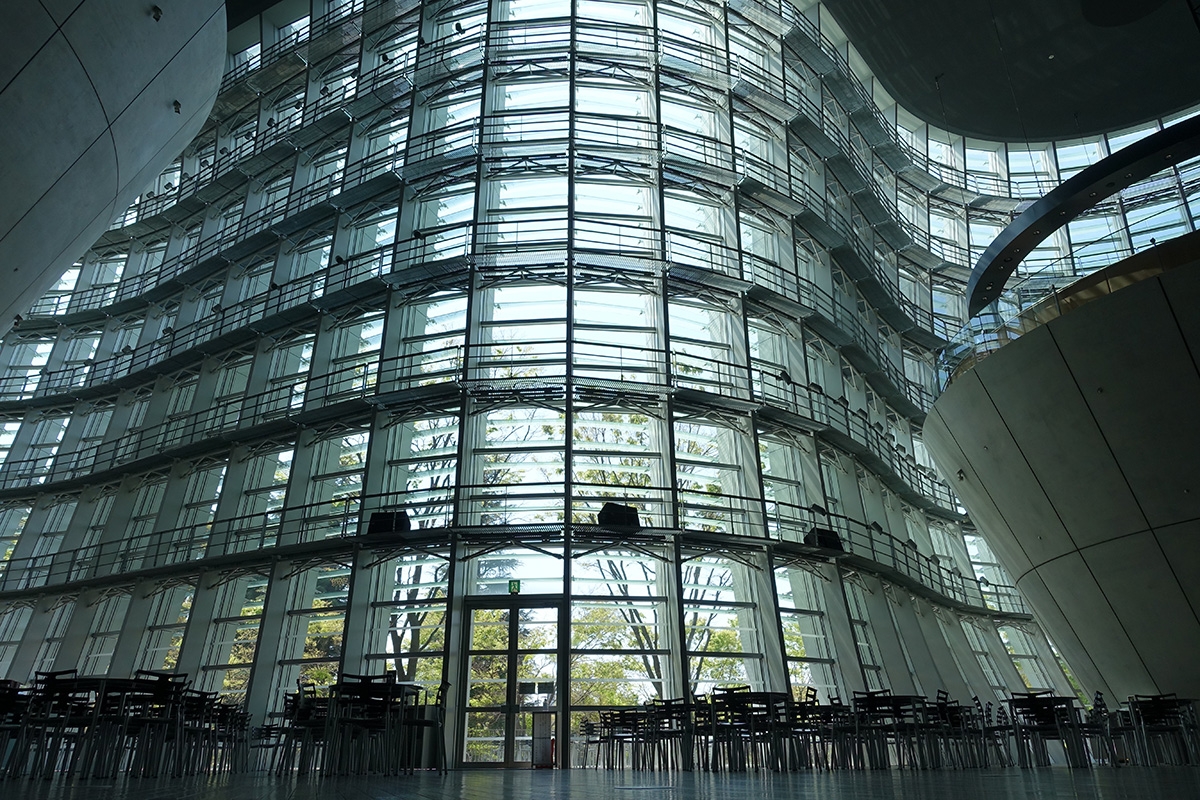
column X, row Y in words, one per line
column 497, row 265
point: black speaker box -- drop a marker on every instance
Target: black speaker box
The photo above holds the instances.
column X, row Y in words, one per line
column 824, row 537
column 614, row 515
column 385, row 522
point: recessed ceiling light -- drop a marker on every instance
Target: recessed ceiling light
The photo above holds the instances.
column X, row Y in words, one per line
column 1051, row 56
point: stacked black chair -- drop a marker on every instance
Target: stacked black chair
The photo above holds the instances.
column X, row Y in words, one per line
column 1165, row 729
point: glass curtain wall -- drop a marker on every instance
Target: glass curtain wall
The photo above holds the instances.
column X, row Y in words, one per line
column 496, row 265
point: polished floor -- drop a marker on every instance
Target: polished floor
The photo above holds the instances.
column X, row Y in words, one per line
column 1129, row 783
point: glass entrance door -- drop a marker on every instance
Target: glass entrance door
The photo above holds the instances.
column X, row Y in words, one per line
column 511, row 682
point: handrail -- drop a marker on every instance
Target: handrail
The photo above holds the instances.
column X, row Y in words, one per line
column 811, row 403
column 988, row 333
column 863, row 101
column 870, row 541
column 486, row 364
column 346, row 517
column 1145, row 157
column 355, row 171
column 448, row 243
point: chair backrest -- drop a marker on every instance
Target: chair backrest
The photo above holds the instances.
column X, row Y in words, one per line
column 266, row 733
column 43, row 681
column 162, row 675
column 439, row 698
column 346, row 677
column 1157, row 710
column 702, row 711
column 12, row 702
column 1099, row 710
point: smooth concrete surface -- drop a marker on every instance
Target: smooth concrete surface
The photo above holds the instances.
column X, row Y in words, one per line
column 1076, row 449
column 1131, row 783
column 87, row 121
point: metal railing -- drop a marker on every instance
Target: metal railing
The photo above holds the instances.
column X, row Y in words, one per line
column 791, row 522
column 1044, row 295
column 256, row 535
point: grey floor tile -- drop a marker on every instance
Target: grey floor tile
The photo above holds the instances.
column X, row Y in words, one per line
column 1131, row 783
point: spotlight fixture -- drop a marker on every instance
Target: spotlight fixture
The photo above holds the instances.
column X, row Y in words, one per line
column 324, row 91
column 458, row 27
column 156, row 13
column 17, row 320
column 339, row 260
column 177, row 106
column 168, row 331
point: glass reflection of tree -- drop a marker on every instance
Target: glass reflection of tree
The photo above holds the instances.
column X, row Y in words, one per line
column 420, row 630
column 611, row 450
column 625, row 626
column 434, row 454
column 707, row 627
column 324, row 632
column 525, row 448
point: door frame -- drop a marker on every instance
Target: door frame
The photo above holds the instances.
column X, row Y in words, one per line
column 510, row 602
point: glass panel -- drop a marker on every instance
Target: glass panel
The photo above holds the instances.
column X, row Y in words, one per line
column 488, row 683
column 485, row 737
column 537, row 629
column 539, row 573
column 489, row 629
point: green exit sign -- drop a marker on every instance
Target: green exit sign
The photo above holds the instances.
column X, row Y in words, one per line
column 514, row 587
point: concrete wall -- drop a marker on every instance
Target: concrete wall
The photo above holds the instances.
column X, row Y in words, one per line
column 87, row 120
column 1076, row 450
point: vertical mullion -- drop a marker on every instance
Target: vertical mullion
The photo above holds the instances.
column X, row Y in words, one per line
column 563, row 653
